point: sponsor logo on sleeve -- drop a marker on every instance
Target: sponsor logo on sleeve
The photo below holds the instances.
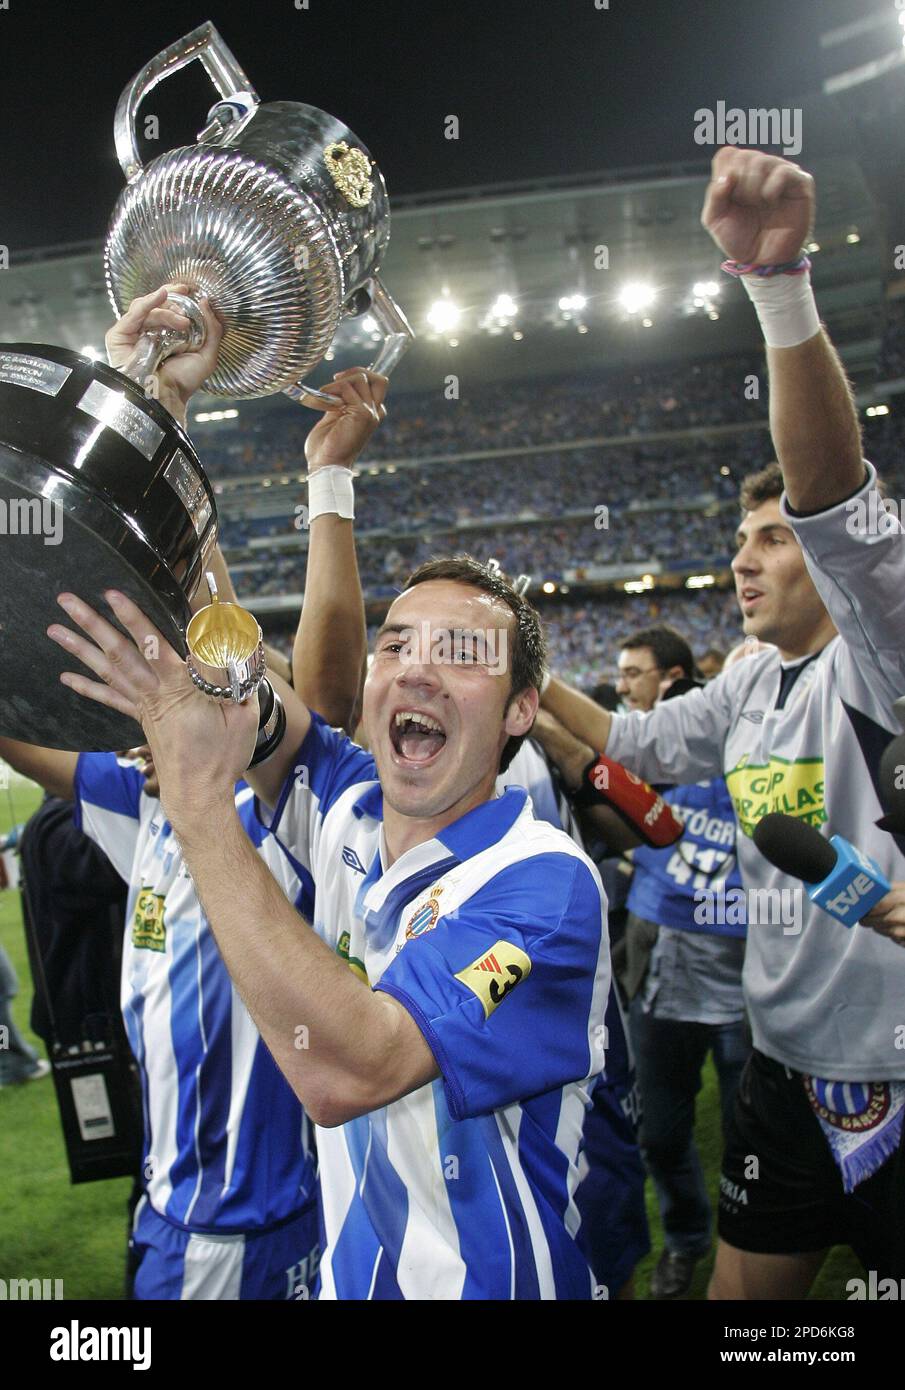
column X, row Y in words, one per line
column 494, row 975
column 149, row 932
column 357, row 967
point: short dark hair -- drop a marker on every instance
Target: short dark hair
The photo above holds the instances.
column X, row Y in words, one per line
column 760, row 487
column 714, row 651
column 668, row 646
column 529, row 649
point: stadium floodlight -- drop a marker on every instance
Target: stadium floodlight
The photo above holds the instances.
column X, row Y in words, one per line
column 699, row 581
column 636, row 296
column 853, row 237
column 812, row 247
column 713, row 314
column 877, row 410
column 517, row 336
column 705, row 289
column 573, row 303
column 443, row 315
column 504, row 307
column 647, row 323
column 549, row 587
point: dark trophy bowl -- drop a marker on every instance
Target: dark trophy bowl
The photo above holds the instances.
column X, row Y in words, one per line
column 99, row 489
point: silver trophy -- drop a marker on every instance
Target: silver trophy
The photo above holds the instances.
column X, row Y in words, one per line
column 279, row 215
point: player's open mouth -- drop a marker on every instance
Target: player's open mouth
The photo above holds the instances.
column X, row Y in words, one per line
column 417, row 738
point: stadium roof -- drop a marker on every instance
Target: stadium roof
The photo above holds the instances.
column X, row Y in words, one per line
column 538, row 242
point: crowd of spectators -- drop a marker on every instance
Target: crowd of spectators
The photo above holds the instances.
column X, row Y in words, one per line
column 511, row 416
column 552, row 515
column 554, row 552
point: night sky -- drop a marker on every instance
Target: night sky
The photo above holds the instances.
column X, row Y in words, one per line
column 541, row 87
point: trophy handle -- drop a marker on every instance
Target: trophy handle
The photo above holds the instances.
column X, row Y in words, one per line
column 221, row 67
column 398, row 336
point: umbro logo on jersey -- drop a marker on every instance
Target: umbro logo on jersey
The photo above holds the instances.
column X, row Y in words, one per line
column 491, row 977
column 353, row 861
column 756, row 716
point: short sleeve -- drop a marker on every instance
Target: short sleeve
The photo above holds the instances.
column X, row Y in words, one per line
column 326, row 765
column 510, row 989
column 107, row 807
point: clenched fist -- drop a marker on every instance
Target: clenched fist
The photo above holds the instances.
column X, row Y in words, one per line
column 759, row 208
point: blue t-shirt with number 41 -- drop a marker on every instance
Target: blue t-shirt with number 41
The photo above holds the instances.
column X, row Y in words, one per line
column 672, row 886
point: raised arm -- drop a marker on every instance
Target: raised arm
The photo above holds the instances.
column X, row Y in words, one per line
column 52, row 768
column 577, row 713
column 759, row 209
column 328, row 657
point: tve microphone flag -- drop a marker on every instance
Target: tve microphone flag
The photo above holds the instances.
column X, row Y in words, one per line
column 841, row 879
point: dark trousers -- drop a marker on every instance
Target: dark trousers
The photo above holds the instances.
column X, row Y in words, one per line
column 670, row 1056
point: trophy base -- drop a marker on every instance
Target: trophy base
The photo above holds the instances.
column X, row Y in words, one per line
column 99, row 488
column 34, row 570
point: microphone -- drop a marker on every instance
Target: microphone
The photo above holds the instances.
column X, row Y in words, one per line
column 841, row 879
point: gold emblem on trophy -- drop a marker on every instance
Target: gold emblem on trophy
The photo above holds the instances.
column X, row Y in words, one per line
column 350, row 171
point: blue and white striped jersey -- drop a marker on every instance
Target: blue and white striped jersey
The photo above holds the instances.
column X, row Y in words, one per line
column 493, row 937
column 228, row 1147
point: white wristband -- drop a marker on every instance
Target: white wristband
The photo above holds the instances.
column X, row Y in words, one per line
column 785, row 306
column 330, row 490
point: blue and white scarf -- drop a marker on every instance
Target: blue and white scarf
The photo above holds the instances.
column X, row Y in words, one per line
column 862, row 1121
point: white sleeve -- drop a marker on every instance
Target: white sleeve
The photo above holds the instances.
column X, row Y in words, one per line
column 680, row 740
column 855, row 554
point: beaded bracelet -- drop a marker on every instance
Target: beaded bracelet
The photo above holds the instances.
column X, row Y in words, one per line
column 738, row 268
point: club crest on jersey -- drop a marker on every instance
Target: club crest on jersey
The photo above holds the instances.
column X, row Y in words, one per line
column 148, row 930
column 424, row 918
column 494, row 975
